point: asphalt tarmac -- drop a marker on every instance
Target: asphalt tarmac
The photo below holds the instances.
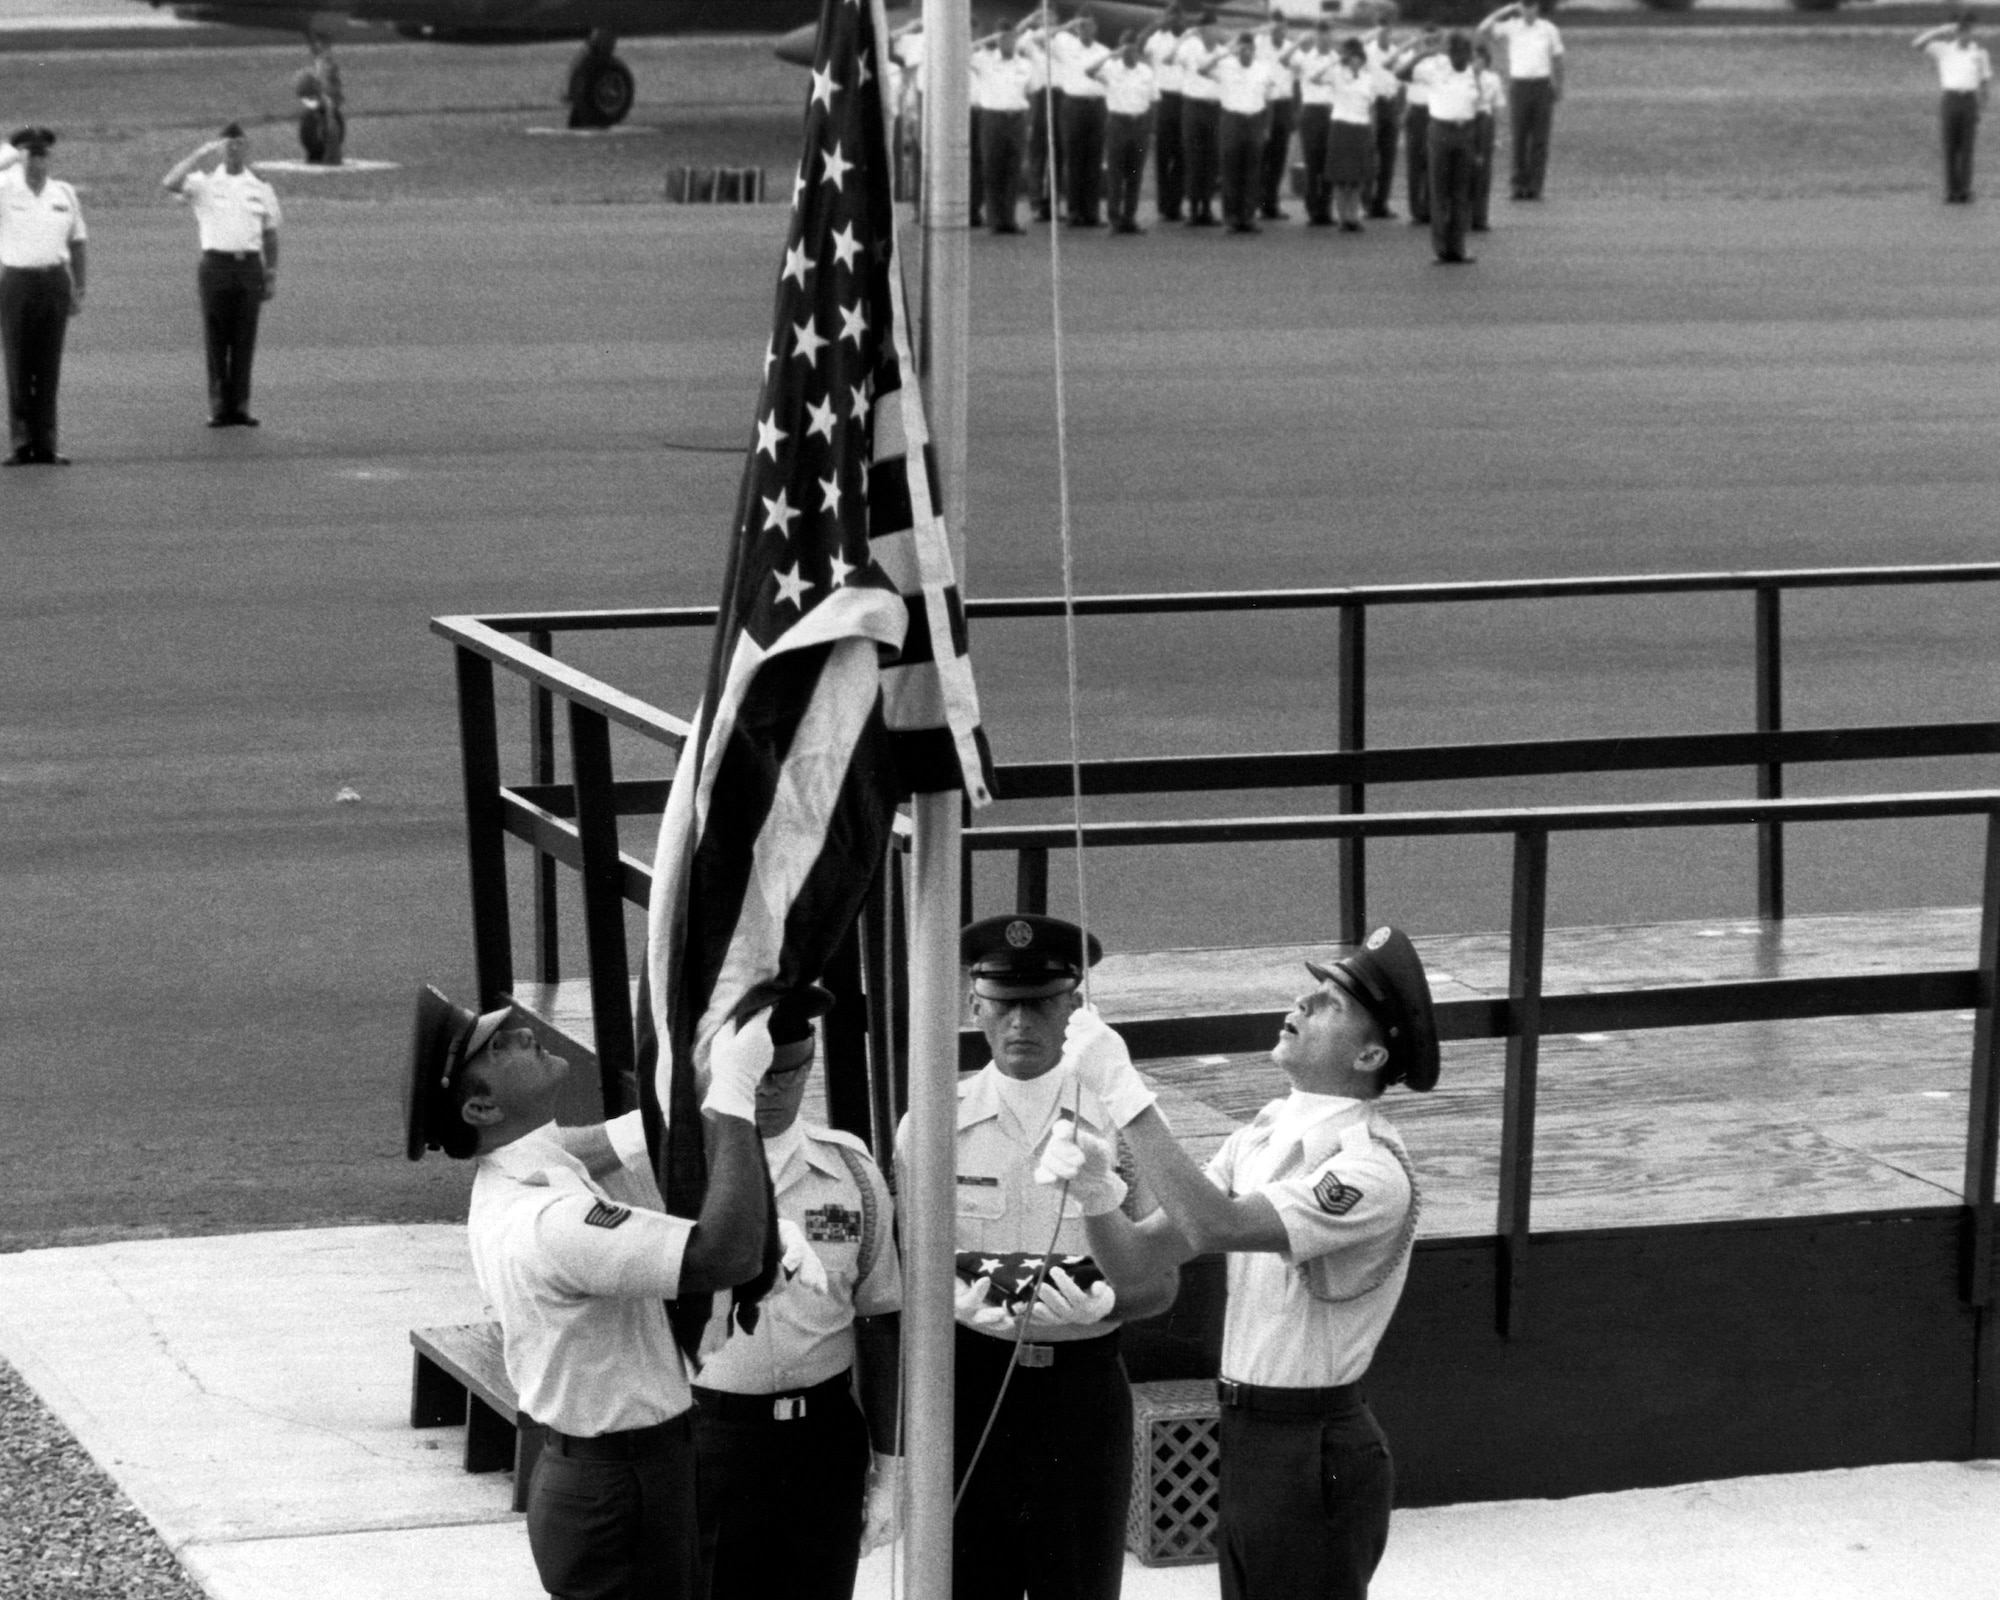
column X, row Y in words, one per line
column 210, row 638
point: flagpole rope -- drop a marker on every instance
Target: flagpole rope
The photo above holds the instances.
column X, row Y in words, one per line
column 1064, row 530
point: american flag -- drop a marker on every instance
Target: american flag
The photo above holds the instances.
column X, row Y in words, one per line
column 1013, row 1273
column 840, row 681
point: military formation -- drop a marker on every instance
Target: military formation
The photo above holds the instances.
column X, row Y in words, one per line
column 1229, row 120
column 768, row 1461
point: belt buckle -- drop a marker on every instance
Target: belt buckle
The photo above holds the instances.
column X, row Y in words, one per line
column 1228, row 1392
column 1035, row 1355
column 788, row 1407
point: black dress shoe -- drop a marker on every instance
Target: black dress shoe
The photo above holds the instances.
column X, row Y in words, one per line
column 20, row 458
column 1350, row 227
column 1276, row 214
column 243, row 419
column 1380, row 213
column 51, row 459
column 222, row 420
column 1201, row 219
column 1244, row 227
column 1006, row 227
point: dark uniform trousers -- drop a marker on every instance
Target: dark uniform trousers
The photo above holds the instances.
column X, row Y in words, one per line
column 1304, row 1505
column 1283, row 117
column 1083, row 155
column 1482, row 169
column 781, row 1500
column 1958, row 117
column 1001, row 150
column 1169, row 160
column 977, row 145
column 1242, row 155
column 614, row 1517
column 1044, row 1512
column 1451, row 162
column 1201, row 130
column 34, row 316
column 1531, row 105
column 1416, row 142
column 1039, row 106
column 232, row 294
column 1388, row 123
column 1315, row 131
column 1125, row 165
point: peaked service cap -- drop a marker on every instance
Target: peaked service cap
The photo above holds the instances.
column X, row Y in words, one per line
column 1386, row 978
column 1025, row 956
column 445, row 1037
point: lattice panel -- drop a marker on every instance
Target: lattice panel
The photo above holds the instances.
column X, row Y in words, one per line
column 1175, row 1457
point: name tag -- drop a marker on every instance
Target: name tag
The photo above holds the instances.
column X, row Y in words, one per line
column 969, row 1180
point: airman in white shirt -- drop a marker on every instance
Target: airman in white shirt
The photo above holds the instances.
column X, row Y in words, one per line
column 1451, row 87
column 1274, row 47
column 1162, row 47
column 1316, row 1205
column 1534, row 85
column 42, row 270
column 1964, row 70
column 1243, row 84
column 1130, row 90
column 1201, row 117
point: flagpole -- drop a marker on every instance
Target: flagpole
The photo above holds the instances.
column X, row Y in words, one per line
column 929, row 1205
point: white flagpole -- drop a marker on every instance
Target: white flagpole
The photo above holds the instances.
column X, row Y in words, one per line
column 929, row 1204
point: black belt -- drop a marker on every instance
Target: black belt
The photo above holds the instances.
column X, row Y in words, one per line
column 791, row 1406
column 627, row 1444
column 53, row 266
column 233, row 255
column 1288, row 1402
column 1098, row 1351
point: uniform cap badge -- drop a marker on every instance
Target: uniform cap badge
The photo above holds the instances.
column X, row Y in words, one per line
column 1020, row 935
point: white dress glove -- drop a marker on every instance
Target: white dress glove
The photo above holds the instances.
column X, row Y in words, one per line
column 738, row 1057
column 969, row 1305
column 1104, row 1066
column 800, row 1261
column 882, row 1511
column 1061, row 1304
column 1079, row 1158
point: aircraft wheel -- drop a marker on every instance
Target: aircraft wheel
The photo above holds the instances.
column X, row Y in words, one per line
column 608, row 92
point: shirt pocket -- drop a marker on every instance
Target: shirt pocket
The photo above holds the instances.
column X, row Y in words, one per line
column 981, row 1202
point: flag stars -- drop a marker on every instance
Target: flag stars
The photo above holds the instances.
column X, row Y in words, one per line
column 797, row 264
column 798, row 183
column 823, row 88
column 806, row 340
column 846, row 247
column 836, row 167
column 768, row 435
column 822, row 420
column 792, row 586
column 840, row 570
column 770, row 355
column 861, row 403
column 853, row 323
column 829, row 493
column 779, row 514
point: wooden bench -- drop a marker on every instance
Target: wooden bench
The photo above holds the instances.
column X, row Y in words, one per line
column 460, row 1376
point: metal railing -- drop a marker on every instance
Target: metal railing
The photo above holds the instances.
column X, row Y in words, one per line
column 574, row 824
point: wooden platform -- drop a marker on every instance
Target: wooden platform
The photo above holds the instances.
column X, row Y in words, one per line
column 1758, row 1120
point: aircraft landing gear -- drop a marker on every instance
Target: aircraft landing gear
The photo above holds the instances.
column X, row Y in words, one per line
column 601, row 89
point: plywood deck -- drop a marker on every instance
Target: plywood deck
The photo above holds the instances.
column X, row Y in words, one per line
column 1633, row 1129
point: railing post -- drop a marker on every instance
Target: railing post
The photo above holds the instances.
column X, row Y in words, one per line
column 1982, row 1133
column 542, row 764
column 1770, row 774
column 1031, row 881
column 1352, row 854
column 1524, row 1047
column 899, row 961
column 603, row 908
column 485, row 833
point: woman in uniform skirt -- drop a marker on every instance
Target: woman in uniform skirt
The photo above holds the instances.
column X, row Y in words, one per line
column 1350, row 150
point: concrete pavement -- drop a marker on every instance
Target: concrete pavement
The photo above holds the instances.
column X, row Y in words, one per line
column 250, row 1393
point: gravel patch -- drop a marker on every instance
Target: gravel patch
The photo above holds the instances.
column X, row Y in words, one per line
column 66, row 1530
